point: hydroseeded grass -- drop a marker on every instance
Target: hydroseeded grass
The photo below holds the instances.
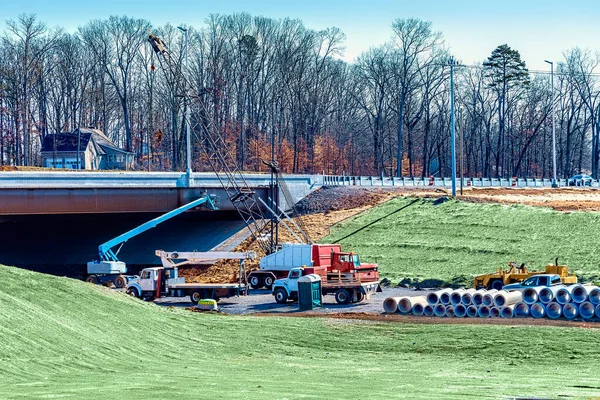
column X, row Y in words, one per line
column 61, row 338
column 450, row 242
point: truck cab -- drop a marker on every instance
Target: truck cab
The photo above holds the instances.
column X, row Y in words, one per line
column 287, row 288
column 347, row 266
column 152, row 282
column 542, row 280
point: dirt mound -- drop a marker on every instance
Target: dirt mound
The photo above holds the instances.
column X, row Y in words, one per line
column 334, row 198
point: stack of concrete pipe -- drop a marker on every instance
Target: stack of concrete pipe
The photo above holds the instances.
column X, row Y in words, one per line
column 570, row 302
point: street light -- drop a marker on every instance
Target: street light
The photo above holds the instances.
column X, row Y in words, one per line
column 187, row 110
column 554, row 181
column 452, row 62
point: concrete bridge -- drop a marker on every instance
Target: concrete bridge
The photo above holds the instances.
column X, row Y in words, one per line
column 34, row 193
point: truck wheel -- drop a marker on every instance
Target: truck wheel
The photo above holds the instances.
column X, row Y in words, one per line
column 92, row 279
column 256, row 282
column 496, row 284
column 120, row 281
column 195, row 297
column 342, row 296
column 133, row 292
column 269, row 282
column 281, row 296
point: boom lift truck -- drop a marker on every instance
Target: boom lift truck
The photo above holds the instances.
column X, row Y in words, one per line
column 108, row 267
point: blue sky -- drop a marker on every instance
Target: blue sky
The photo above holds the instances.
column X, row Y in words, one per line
column 538, row 29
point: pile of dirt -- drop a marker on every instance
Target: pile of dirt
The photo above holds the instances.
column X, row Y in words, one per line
column 334, row 198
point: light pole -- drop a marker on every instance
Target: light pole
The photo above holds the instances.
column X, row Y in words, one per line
column 452, row 62
column 187, row 108
column 554, row 181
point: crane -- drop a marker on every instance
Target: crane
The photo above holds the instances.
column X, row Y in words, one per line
column 224, row 164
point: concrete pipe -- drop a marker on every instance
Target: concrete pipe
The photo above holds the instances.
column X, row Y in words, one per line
column 483, row 312
column 477, row 297
column 521, row 310
column 439, row 310
column 546, row 295
column 390, row 305
column 405, row 304
column 418, row 309
column 537, row 310
column 563, row 295
column 445, row 298
column 434, row 297
column 466, row 297
column 586, row 310
column 449, row 311
column 531, row 295
column 456, row 296
column 598, row 310
column 570, row 310
column 553, row 310
column 488, row 297
column 494, row 312
column 507, row 311
column 472, row 311
column 428, row 311
column 460, row 310
column 594, row 296
column 581, row 293
column 503, row 298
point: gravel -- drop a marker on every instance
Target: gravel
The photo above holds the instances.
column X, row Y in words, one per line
column 262, row 301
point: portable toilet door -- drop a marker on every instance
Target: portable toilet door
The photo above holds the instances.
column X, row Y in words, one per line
column 309, row 292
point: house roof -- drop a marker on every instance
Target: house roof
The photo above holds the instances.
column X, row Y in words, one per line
column 67, row 141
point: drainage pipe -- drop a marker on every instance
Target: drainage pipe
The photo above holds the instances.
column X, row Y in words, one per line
column 581, row 293
column 521, row 310
column 466, row 297
column 563, row 295
column 434, row 297
column 418, row 309
column 390, row 305
column 456, row 296
column 570, row 310
column 547, row 294
column 507, row 311
column 537, row 310
column 494, row 312
column 445, row 297
column 553, row 310
column 477, row 297
column 586, row 310
column 428, row 311
column 488, row 298
column 405, row 304
column 483, row 312
column 594, row 296
column 503, row 298
column 598, row 310
column 531, row 295
column 460, row 310
column 449, row 311
column 472, row 311
column 439, row 310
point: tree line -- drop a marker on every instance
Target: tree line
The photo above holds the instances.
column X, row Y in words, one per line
column 273, row 84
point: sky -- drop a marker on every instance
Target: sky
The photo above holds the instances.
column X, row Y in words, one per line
column 539, row 30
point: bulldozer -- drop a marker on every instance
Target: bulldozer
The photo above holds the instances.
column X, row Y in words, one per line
column 516, row 274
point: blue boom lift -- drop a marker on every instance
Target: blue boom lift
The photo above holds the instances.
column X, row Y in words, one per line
column 108, row 267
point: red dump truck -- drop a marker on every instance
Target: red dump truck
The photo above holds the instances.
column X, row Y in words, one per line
column 325, row 259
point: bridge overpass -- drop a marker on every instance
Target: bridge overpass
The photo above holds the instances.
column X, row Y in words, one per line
column 34, row 193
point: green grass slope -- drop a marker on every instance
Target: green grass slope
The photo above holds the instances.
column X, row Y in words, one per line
column 61, row 338
column 454, row 240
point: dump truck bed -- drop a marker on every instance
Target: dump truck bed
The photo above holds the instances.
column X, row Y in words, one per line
column 191, row 285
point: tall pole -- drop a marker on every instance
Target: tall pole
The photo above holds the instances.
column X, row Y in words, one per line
column 554, row 180
column 452, row 63
column 187, row 108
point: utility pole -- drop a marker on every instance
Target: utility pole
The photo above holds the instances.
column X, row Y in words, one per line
column 187, row 108
column 452, row 62
column 554, row 181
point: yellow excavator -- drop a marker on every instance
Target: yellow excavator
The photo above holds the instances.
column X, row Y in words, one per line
column 516, row 274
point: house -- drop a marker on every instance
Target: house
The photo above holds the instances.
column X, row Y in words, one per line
column 96, row 151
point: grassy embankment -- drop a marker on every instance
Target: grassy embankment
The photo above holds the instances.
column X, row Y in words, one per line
column 454, row 240
column 65, row 338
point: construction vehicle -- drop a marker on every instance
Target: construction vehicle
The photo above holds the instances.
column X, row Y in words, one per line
column 346, row 290
column 516, row 274
column 164, row 281
column 327, row 259
column 108, row 267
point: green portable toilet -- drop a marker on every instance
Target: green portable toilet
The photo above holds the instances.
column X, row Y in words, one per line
column 309, row 292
